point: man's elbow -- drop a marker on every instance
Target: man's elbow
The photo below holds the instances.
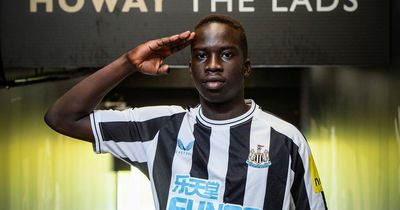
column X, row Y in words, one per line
column 54, row 121
column 66, row 124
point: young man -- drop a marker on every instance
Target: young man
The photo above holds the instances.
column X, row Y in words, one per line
column 224, row 154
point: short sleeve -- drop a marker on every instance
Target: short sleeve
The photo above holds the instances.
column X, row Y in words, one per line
column 126, row 134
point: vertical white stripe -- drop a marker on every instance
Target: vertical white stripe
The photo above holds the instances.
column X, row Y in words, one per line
column 182, row 161
column 151, row 154
column 95, row 127
column 219, row 156
column 256, row 183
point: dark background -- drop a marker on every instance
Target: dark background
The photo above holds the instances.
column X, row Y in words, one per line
column 90, row 39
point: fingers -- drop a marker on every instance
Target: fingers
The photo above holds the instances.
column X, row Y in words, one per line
column 149, row 56
column 185, row 34
column 167, row 45
column 186, row 37
column 175, row 40
column 184, row 43
column 163, row 69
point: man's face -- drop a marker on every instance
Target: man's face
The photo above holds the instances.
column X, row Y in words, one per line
column 218, row 65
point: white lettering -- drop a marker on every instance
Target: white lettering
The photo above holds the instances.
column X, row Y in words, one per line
column 214, row 5
column 242, row 8
column 98, row 5
column 300, row 2
column 34, row 4
column 158, row 5
column 275, row 7
column 134, row 4
column 195, row 5
column 329, row 8
column 351, row 8
column 71, row 8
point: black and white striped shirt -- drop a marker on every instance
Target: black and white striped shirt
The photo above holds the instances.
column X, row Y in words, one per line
column 254, row 161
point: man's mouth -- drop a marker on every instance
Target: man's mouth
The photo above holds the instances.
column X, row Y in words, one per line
column 213, row 84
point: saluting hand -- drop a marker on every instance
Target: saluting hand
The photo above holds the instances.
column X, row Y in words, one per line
column 148, row 57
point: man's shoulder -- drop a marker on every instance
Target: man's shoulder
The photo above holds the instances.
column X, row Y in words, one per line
column 140, row 113
column 157, row 111
column 278, row 124
column 161, row 108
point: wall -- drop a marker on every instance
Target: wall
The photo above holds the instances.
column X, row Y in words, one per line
column 354, row 134
column 354, row 116
column 42, row 170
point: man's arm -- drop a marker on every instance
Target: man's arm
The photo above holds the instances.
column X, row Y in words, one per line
column 69, row 115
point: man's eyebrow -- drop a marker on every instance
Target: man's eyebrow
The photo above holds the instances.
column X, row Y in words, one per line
column 230, row 47
column 197, row 48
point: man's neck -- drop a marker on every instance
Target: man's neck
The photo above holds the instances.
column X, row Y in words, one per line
column 224, row 111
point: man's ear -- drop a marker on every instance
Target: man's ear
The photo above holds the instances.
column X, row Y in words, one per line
column 247, row 67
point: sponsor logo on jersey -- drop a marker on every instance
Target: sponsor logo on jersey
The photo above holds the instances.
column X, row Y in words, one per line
column 317, row 186
column 190, row 193
column 184, row 149
column 259, row 158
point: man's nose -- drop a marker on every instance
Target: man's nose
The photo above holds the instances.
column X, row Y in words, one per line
column 214, row 63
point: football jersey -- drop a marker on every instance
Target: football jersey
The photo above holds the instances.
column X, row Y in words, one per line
column 251, row 162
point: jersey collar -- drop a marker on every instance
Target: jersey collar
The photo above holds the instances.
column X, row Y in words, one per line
column 229, row 122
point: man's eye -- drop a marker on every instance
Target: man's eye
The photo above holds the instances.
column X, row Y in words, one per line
column 201, row 56
column 227, row 55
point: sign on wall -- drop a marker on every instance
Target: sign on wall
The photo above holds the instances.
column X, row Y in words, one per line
column 91, row 33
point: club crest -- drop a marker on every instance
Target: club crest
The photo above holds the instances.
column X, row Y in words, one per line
column 259, row 158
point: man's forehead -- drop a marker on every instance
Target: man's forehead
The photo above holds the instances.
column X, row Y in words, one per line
column 216, row 28
column 216, row 33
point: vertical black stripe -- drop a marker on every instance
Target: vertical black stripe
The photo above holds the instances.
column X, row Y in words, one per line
column 235, row 183
column 281, row 148
column 97, row 134
column 164, row 156
column 277, row 172
column 201, row 151
column 298, row 190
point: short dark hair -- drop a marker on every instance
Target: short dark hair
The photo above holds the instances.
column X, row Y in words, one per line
column 218, row 18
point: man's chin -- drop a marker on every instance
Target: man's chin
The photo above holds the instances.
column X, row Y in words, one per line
column 216, row 98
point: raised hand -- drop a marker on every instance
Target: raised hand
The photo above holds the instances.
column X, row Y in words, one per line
column 148, row 57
